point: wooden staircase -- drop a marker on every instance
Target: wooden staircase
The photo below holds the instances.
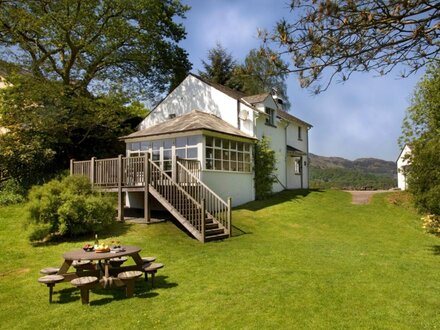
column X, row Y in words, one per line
column 202, row 212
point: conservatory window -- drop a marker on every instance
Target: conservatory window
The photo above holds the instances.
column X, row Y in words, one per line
column 227, row 155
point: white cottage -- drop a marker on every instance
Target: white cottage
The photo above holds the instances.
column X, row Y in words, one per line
column 196, row 147
column 403, row 163
column 217, row 126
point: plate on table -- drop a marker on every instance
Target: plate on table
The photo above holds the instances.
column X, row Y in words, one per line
column 118, row 249
column 102, row 250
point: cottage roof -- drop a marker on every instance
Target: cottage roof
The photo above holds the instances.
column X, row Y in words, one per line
column 224, row 89
column 254, row 99
column 191, row 121
column 287, row 116
column 295, row 151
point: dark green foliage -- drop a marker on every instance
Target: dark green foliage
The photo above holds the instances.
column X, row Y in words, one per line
column 341, row 178
column 219, row 67
column 95, row 45
column 11, row 193
column 265, row 161
column 48, row 123
column 421, row 131
column 259, row 74
column 68, row 207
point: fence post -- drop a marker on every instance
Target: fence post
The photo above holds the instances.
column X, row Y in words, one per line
column 174, row 169
column 92, row 171
column 120, row 194
column 229, row 217
column 147, row 214
column 71, row 166
column 203, row 220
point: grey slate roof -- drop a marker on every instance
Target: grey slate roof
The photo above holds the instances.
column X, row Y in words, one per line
column 191, row 121
column 287, row 116
column 228, row 91
column 254, row 99
column 295, row 151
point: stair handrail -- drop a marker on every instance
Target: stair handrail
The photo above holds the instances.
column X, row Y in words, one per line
column 202, row 191
column 197, row 219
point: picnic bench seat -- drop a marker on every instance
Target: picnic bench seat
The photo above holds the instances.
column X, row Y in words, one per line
column 128, row 278
column 84, row 283
column 147, row 260
column 118, row 261
column 49, row 270
column 50, row 281
column 151, row 268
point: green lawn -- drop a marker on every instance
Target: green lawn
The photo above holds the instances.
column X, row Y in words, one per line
column 310, row 260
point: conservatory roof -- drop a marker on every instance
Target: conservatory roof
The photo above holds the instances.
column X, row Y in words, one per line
column 192, row 121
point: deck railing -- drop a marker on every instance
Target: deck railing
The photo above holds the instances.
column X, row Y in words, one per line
column 182, row 187
column 214, row 204
column 181, row 200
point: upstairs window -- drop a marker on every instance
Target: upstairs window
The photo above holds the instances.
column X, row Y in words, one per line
column 270, row 119
column 299, row 133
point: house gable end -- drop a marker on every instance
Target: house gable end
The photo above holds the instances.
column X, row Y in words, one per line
column 193, row 93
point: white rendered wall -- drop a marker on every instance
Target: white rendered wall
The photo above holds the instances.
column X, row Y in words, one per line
column 238, row 186
column 276, row 137
column 301, row 144
column 193, row 94
column 401, row 163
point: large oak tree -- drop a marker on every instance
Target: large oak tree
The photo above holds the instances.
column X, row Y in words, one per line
column 91, row 44
column 80, row 63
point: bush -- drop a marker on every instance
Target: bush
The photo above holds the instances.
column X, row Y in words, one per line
column 11, row 193
column 68, row 207
column 265, row 166
column 431, row 223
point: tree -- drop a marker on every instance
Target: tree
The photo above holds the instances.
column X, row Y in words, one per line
column 219, row 67
column 342, row 37
column 421, row 130
column 92, row 45
column 47, row 125
column 258, row 74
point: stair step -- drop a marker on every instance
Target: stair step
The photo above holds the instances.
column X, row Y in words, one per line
column 211, row 225
column 214, row 231
column 216, row 237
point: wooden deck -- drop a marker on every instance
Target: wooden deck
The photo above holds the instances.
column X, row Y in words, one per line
column 179, row 190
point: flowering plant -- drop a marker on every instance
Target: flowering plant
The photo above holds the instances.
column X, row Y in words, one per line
column 431, row 223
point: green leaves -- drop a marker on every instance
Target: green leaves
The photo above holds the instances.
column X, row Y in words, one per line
column 421, row 131
column 265, row 166
column 332, row 39
column 90, row 43
column 67, row 208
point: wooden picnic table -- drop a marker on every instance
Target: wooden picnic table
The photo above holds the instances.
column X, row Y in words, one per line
column 107, row 274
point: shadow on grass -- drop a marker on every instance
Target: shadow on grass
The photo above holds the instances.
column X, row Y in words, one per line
column 100, row 296
column 277, row 198
column 115, row 229
column 435, row 250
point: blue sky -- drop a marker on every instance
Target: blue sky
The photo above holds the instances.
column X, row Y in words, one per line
column 360, row 118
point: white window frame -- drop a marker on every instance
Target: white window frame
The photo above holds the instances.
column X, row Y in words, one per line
column 227, row 155
column 270, row 119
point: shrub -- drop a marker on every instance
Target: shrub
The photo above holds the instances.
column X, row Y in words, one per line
column 265, row 166
column 11, row 193
column 68, row 207
column 431, row 223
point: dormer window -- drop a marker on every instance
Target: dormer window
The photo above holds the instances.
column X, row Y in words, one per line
column 270, row 119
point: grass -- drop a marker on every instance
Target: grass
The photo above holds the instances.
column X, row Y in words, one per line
column 299, row 260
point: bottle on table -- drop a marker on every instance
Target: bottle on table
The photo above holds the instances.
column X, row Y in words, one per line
column 96, row 241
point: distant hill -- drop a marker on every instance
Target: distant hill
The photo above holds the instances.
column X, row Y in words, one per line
column 341, row 173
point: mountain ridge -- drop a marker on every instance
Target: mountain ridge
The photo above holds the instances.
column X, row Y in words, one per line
column 361, row 173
